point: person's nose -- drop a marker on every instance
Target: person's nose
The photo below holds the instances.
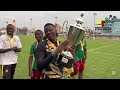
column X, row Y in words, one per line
column 48, row 32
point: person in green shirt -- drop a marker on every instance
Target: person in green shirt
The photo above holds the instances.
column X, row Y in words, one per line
column 33, row 71
column 79, row 62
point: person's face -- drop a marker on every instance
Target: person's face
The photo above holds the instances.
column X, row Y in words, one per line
column 50, row 32
column 10, row 30
column 38, row 36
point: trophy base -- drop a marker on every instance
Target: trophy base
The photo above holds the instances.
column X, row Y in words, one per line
column 66, row 60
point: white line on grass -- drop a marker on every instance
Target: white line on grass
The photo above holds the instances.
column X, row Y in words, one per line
column 101, row 47
column 106, row 54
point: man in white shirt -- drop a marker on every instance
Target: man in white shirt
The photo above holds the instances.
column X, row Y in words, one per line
column 10, row 45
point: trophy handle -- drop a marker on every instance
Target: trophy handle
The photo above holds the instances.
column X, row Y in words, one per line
column 65, row 30
column 87, row 35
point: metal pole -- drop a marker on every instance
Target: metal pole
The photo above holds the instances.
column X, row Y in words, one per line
column 57, row 29
column 31, row 23
column 94, row 34
column 55, row 19
column 94, row 28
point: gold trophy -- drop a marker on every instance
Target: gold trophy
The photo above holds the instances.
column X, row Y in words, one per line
column 74, row 33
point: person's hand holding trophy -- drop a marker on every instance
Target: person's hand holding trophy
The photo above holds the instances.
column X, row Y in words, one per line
column 73, row 34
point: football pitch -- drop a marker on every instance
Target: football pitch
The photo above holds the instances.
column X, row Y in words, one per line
column 103, row 61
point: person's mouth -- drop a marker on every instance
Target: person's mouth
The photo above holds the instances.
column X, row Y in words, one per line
column 9, row 32
column 50, row 35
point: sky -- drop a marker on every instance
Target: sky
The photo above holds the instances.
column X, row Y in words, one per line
column 40, row 18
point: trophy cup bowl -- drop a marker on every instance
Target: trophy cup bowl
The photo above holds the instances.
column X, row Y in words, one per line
column 74, row 33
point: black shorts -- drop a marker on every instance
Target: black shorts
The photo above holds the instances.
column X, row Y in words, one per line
column 8, row 71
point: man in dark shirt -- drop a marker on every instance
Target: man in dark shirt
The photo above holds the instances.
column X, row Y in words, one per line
column 49, row 52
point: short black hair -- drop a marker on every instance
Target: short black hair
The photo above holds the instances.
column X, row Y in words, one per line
column 47, row 24
column 10, row 25
column 39, row 31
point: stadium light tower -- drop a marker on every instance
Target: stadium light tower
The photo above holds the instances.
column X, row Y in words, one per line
column 94, row 35
column 55, row 19
column 31, row 23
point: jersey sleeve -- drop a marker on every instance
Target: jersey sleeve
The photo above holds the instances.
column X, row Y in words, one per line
column 32, row 50
column 1, row 44
column 19, row 45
